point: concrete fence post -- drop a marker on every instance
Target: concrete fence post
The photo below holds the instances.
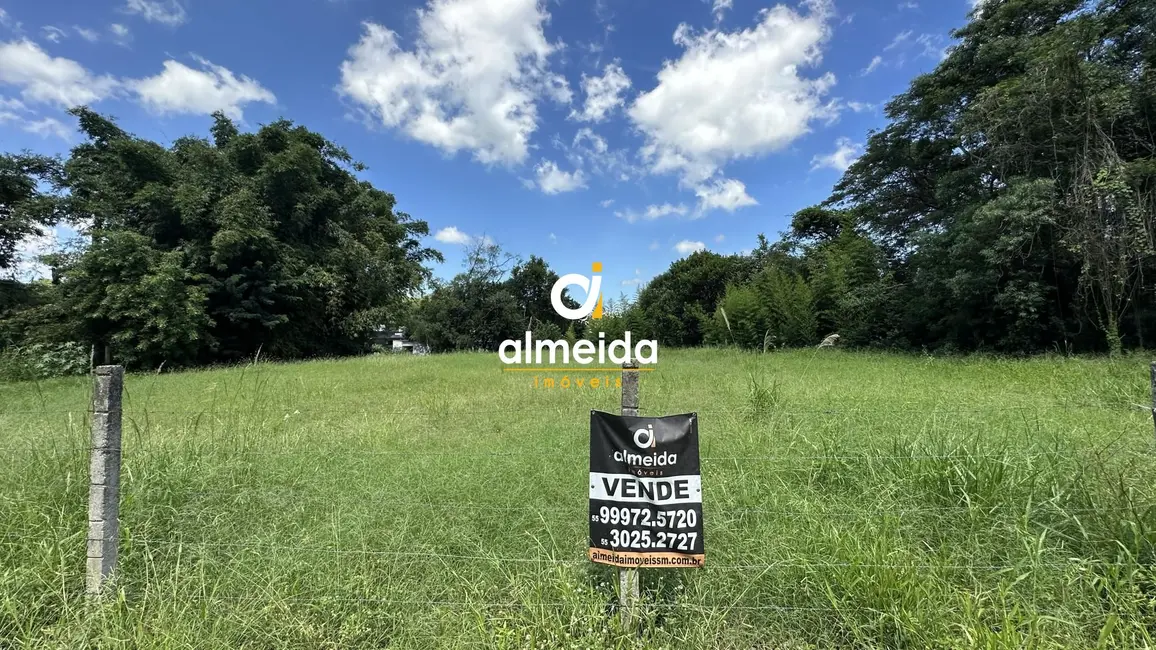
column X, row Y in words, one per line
column 104, row 478
column 628, row 580
column 1152, row 374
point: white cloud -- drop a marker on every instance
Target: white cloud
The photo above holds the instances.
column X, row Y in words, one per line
column 552, row 180
column 7, row 22
column 28, row 266
column 719, row 239
column 908, row 5
column 899, row 39
column 841, row 158
column 7, row 104
column 47, row 126
column 553, row 238
column 933, row 46
column 860, row 107
column 607, row 203
column 165, row 12
column 591, row 151
column 653, row 246
column 14, row 112
column 181, row 89
column 48, row 79
column 120, row 34
column 597, row 142
column 653, row 212
column 452, row 235
column 89, row 35
column 733, row 95
column 603, row 94
column 178, row 88
column 471, row 81
column 876, row 61
column 666, row 209
column 686, row 247
column 723, row 193
column 53, row 34
column 720, row 7
column 636, row 280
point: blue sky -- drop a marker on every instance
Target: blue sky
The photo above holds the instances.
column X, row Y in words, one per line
column 629, row 132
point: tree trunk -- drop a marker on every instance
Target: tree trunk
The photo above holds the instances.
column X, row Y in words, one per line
column 1115, row 345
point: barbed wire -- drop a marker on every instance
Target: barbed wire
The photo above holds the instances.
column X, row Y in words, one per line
column 914, row 408
column 710, row 509
column 865, row 456
column 551, row 604
column 760, row 566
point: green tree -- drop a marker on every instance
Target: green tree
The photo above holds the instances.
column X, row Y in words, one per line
column 274, row 239
column 25, row 209
column 477, row 309
column 143, row 301
column 676, row 307
column 531, row 283
column 1012, row 190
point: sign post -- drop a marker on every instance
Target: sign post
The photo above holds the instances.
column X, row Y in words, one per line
column 645, row 492
column 628, row 579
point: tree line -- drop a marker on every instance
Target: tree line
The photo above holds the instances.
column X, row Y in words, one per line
column 1008, row 205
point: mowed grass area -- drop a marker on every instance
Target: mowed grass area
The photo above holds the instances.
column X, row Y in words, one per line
column 850, row 500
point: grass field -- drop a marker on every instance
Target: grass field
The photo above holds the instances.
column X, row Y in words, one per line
column 850, row 500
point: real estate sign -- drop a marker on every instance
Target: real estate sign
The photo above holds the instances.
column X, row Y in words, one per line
column 645, row 491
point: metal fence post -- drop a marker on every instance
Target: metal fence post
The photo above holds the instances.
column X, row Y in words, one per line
column 628, row 587
column 104, row 478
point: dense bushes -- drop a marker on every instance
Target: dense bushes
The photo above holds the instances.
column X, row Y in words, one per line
column 41, row 361
column 776, row 309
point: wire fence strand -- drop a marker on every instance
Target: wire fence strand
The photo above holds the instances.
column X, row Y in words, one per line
column 766, row 565
column 281, row 411
column 865, row 456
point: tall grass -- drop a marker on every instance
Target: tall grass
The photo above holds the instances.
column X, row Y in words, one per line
column 851, row 500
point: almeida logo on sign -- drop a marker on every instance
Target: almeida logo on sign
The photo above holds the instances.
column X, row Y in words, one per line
column 584, row 352
column 645, row 439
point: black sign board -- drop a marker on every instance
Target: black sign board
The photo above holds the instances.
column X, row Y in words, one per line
column 645, row 491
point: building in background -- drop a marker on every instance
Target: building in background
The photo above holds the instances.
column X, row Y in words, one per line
column 394, row 340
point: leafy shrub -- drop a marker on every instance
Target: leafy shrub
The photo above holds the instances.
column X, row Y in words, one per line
column 43, row 360
column 740, row 319
column 546, row 330
column 774, row 310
